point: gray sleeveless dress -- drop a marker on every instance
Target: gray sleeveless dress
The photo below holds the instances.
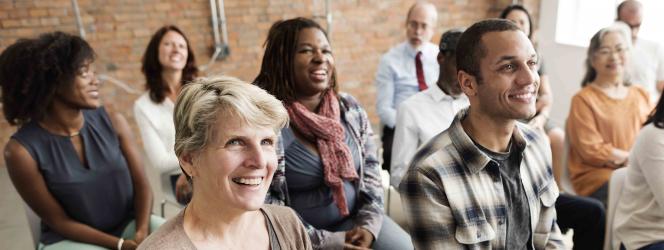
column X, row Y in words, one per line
column 99, row 195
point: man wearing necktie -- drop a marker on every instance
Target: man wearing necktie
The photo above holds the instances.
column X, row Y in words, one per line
column 406, row 69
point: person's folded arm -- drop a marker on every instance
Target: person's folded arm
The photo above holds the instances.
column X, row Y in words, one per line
column 585, row 138
column 142, row 191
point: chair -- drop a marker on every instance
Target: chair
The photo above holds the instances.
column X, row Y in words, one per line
column 393, row 207
column 616, row 184
column 34, row 223
column 168, row 197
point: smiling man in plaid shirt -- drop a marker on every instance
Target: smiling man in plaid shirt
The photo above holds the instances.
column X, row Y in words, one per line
column 486, row 182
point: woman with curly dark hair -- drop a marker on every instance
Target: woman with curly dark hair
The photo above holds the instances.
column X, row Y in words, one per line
column 168, row 64
column 332, row 175
column 72, row 162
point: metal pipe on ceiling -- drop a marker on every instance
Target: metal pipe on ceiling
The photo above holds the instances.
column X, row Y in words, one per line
column 221, row 49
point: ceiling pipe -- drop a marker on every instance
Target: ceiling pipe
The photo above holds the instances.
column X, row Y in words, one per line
column 221, row 49
column 102, row 77
column 79, row 22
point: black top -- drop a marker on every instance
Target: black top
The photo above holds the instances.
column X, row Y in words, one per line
column 518, row 211
column 99, row 195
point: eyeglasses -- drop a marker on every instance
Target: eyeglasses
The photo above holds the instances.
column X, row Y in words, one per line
column 608, row 51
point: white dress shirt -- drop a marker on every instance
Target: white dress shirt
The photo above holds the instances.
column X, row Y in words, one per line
column 646, row 66
column 155, row 121
column 396, row 78
column 420, row 118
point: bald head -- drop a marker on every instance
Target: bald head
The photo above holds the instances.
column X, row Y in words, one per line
column 420, row 22
column 631, row 13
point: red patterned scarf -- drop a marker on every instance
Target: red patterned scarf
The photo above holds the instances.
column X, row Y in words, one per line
column 325, row 129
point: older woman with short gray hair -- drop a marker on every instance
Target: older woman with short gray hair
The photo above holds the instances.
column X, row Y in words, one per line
column 225, row 140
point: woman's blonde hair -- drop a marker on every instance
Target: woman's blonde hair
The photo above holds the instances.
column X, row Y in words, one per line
column 208, row 100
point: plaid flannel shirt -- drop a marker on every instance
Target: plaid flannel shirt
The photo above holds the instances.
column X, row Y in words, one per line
column 370, row 190
column 454, row 197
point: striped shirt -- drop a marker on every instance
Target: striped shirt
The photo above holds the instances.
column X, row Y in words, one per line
column 454, row 198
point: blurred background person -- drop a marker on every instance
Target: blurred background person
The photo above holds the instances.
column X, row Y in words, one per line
column 600, row 140
column 226, row 141
column 639, row 218
column 646, row 65
column 72, row 162
column 427, row 113
column 168, row 64
column 407, row 68
column 332, row 173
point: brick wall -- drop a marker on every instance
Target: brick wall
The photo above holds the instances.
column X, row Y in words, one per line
column 119, row 31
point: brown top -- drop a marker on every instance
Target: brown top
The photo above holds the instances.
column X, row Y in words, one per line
column 596, row 125
column 289, row 231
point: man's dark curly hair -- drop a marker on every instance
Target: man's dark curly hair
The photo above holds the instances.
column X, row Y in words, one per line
column 152, row 68
column 33, row 70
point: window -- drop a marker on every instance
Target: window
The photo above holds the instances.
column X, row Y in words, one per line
column 579, row 20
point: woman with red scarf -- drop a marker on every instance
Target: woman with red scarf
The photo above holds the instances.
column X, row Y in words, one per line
column 330, row 173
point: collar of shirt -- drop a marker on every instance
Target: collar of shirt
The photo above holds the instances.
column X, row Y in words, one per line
column 437, row 95
column 472, row 157
column 428, row 50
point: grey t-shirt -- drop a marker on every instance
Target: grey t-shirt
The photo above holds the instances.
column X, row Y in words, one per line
column 518, row 213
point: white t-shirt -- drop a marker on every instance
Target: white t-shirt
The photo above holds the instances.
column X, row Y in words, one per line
column 646, row 66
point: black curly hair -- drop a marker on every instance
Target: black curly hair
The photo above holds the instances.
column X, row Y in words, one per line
column 277, row 69
column 32, row 70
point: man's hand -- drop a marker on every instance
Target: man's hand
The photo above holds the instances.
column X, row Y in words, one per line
column 359, row 237
column 182, row 189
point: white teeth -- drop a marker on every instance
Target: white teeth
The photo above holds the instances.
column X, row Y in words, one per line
column 249, row 181
column 320, row 72
column 524, row 96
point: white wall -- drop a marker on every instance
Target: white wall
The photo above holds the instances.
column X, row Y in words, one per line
column 564, row 63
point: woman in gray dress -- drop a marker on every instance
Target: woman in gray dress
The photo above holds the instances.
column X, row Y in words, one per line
column 74, row 163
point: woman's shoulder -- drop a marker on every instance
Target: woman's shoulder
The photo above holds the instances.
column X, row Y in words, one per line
column 144, row 101
column 640, row 92
column 288, row 227
column 170, row 235
column 280, row 212
column 349, row 102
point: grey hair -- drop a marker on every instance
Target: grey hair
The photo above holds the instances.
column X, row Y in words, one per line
column 596, row 42
column 208, row 100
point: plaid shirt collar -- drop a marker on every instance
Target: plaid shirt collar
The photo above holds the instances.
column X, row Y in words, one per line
column 471, row 156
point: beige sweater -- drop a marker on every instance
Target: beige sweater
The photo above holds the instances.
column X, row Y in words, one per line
column 289, row 231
